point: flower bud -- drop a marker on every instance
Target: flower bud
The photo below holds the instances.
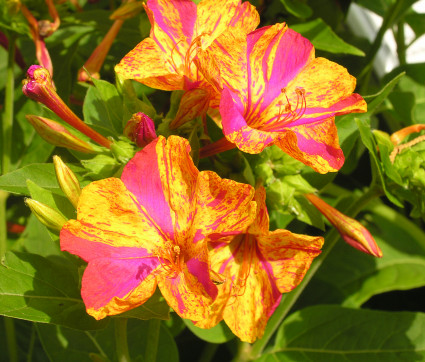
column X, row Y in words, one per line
column 127, row 11
column 140, row 129
column 38, row 86
column 67, row 181
column 46, row 215
column 193, row 103
column 354, row 233
column 56, row 134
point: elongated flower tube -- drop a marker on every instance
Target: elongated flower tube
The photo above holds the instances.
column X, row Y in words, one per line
column 180, row 31
column 400, row 135
column 353, row 233
column 280, row 94
column 38, row 86
column 257, row 267
column 151, row 228
column 56, row 134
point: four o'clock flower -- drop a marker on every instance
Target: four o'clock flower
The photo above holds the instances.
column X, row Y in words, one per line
column 151, row 228
column 181, row 30
column 281, row 94
column 257, row 267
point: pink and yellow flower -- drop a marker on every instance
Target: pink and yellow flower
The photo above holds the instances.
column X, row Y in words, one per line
column 180, row 31
column 150, row 228
column 281, row 94
column 257, row 266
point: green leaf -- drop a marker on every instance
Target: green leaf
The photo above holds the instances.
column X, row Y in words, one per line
column 218, row 334
column 154, row 307
column 43, row 290
column 43, row 174
column 112, row 102
column 297, row 8
column 350, row 277
column 322, row 37
column 416, row 22
column 333, row 333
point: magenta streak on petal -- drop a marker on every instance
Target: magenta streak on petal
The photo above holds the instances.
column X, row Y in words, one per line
column 89, row 250
column 231, row 110
column 105, row 278
column 199, row 269
column 141, row 177
column 187, row 17
column 174, row 288
column 333, row 156
column 272, row 280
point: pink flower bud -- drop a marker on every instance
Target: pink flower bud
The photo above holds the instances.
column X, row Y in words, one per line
column 354, row 233
column 140, row 129
column 38, row 86
column 58, row 135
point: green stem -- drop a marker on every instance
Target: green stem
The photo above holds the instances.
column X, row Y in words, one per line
column 389, row 19
column 31, row 344
column 12, row 347
column 121, row 340
column 8, row 106
column 152, row 340
column 288, row 300
column 3, row 225
column 208, row 352
column 401, row 43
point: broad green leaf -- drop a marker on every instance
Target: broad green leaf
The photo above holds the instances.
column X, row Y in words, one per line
column 322, row 37
column 333, row 333
column 297, row 8
column 43, row 174
column 218, row 334
column 404, row 106
column 416, row 22
column 43, row 290
column 350, row 277
column 112, row 102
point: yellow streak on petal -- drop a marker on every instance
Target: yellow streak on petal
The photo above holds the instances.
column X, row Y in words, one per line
column 107, row 212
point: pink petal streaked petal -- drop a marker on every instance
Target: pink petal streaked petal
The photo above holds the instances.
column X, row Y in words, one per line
column 113, row 286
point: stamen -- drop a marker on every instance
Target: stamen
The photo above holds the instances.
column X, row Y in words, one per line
column 287, row 114
column 192, row 52
column 170, row 258
column 173, row 63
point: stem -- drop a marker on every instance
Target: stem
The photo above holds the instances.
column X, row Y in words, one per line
column 387, row 22
column 3, row 226
column 8, row 106
column 11, row 339
column 31, row 344
column 216, row 147
column 401, row 44
column 288, row 300
column 208, row 352
column 152, row 340
column 121, row 340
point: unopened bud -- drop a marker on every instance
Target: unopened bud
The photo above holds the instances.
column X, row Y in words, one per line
column 354, row 233
column 127, row 11
column 140, row 129
column 56, row 134
column 38, row 86
column 193, row 103
column 67, row 181
column 46, row 215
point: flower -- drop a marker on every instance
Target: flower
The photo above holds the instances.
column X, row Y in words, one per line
column 257, row 267
column 150, row 228
column 180, row 31
column 353, row 233
column 288, row 97
column 39, row 87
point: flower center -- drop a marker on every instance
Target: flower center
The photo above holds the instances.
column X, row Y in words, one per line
column 171, row 259
column 288, row 112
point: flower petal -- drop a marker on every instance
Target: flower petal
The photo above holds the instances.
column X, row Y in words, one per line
column 112, row 286
column 289, row 256
column 316, row 145
column 148, row 64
